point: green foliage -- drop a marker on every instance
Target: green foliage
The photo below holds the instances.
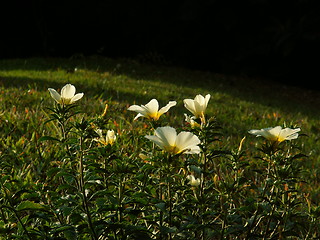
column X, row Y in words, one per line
column 58, row 181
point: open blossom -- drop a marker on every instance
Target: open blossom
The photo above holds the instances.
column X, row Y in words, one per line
column 67, row 95
column 194, row 182
column 167, row 139
column 198, row 105
column 277, row 134
column 110, row 137
column 151, row 109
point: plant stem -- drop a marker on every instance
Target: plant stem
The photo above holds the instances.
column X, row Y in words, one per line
column 252, row 228
column 269, row 221
column 203, row 175
column 120, row 198
column 160, row 199
column 22, row 224
column 169, row 181
column 83, row 191
column 170, row 207
column 15, row 212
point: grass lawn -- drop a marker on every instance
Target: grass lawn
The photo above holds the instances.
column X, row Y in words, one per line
column 239, row 103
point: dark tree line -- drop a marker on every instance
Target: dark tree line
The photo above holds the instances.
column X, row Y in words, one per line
column 279, row 39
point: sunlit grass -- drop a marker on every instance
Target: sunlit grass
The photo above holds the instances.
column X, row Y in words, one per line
column 238, row 104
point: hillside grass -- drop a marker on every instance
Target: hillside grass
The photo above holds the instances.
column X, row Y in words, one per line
column 238, row 103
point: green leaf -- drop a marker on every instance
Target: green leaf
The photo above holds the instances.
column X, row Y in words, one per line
column 29, row 205
column 195, row 169
column 48, row 138
column 161, row 206
column 166, row 230
column 53, row 171
column 68, row 232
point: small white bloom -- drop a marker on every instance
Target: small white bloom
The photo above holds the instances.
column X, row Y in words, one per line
column 67, row 96
column 110, row 137
column 277, row 134
column 151, row 109
column 167, row 139
column 198, row 105
column 194, row 182
column 191, row 121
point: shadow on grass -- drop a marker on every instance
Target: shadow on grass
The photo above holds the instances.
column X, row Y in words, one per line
column 25, row 84
column 268, row 93
column 278, row 97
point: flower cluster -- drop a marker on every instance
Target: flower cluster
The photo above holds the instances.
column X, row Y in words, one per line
column 165, row 183
column 166, row 137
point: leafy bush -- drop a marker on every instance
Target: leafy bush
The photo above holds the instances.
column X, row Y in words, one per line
column 91, row 177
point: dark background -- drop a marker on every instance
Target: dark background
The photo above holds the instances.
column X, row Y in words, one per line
column 275, row 39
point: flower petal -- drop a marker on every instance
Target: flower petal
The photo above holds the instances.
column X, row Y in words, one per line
column 198, row 109
column 152, row 107
column 200, row 99
column 256, row 132
column 68, row 91
column 268, row 133
column 55, row 95
column 187, row 141
column 193, row 150
column 167, row 107
column 189, row 104
column 274, row 131
column 158, row 141
column 138, row 115
column 148, row 110
column 193, row 181
column 76, row 97
column 207, row 98
column 168, row 135
column 289, row 134
column 99, row 132
column 111, row 137
column 135, row 108
column 277, row 133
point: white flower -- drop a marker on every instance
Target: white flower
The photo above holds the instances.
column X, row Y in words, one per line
column 67, row 96
column 277, row 134
column 151, row 109
column 110, row 137
column 194, row 182
column 198, row 105
column 167, row 139
column 191, row 121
